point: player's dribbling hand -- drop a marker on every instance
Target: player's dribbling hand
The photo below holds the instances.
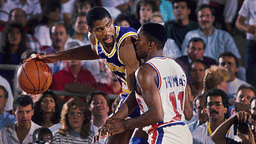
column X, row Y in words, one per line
column 42, row 56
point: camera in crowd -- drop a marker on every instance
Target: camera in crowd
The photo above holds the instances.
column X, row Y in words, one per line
column 244, row 126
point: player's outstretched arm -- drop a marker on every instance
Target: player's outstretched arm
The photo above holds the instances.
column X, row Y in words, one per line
column 80, row 53
column 128, row 56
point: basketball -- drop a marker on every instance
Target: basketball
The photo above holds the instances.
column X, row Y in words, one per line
column 34, row 77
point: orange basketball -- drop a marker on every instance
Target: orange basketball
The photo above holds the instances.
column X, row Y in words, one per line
column 34, row 77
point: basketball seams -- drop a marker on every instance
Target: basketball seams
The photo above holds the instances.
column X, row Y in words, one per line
column 38, row 73
column 48, row 78
column 25, row 73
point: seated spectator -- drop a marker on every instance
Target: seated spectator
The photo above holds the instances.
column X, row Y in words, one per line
column 21, row 131
column 32, row 8
column 13, row 45
column 181, row 25
column 98, row 102
column 47, row 111
column 217, row 111
column 170, row 48
column 18, row 15
column 122, row 5
column 42, row 135
column 5, row 117
column 196, row 78
column 216, row 77
column 220, row 134
column 253, row 114
column 50, row 14
column 144, row 8
column 195, row 51
column 66, row 10
column 9, row 105
column 124, row 20
column 199, row 105
column 243, row 97
column 229, row 12
column 216, row 41
column 59, row 36
column 75, row 123
column 231, row 63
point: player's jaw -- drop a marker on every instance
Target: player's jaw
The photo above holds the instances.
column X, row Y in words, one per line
column 109, row 41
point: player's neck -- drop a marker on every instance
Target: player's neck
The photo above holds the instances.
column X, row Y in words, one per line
column 157, row 53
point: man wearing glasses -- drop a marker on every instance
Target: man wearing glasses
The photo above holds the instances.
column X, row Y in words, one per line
column 217, row 110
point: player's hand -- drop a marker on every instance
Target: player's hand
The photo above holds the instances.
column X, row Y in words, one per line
column 48, row 58
column 115, row 126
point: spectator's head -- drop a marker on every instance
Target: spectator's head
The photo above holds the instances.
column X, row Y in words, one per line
column 156, row 17
column 230, row 62
column 181, row 10
column 80, row 25
column 83, row 6
column 75, row 116
column 150, row 33
column 98, row 102
column 13, row 35
column 144, row 8
column 46, row 104
column 18, row 15
column 216, row 77
column 3, row 98
column 217, row 104
column 197, row 71
column 51, row 12
column 23, row 110
column 196, row 47
column 245, row 93
column 199, row 104
column 205, row 17
column 123, row 20
column 42, row 135
column 59, row 35
column 253, row 110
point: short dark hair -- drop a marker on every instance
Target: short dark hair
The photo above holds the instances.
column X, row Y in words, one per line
column 196, row 39
column 218, row 92
column 96, row 13
column 155, row 32
column 10, row 13
column 247, row 86
column 96, row 92
column 196, row 61
column 229, row 54
column 5, row 91
column 124, row 16
column 22, row 100
column 152, row 3
column 203, row 6
column 199, row 96
column 57, row 23
column 186, row 1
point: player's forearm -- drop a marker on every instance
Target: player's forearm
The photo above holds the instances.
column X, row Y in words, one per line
column 81, row 53
column 188, row 109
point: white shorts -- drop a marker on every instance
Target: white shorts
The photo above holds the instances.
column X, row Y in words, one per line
column 177, row 134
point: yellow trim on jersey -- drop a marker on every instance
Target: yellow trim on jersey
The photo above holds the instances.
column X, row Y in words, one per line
column 96, row 40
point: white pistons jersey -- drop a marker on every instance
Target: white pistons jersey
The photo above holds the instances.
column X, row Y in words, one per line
column 171, row 85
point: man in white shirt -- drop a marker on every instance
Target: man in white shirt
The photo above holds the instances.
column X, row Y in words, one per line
column 20, row 132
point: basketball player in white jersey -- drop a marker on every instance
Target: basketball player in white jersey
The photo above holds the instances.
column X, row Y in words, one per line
column 160, row 92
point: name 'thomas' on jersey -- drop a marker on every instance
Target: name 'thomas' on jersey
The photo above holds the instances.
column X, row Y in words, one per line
column 171, row 85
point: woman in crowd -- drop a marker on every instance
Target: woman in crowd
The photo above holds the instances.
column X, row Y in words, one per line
column 75, row 123
column 47, row 111
column 50, row 14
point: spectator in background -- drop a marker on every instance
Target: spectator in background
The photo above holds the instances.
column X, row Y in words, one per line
column 98, row 102
column 42, row 135
column 122, row 5
column 181, row 25
column 124, row 20
column 231, row 63
column 199, row 106
column 47, row 111
column 22, row 130
column 195, row 50
column 243, row 97
column 247, row 14
column 50, row 14
column 32, row 8
column 13, row 45
column 66, row 10
column 75, row 123
column 9, row 105
column 196, row 78
column 216, row 41
column 144, row 8
column 18, row 15
column 170, row 48
column 59, row 36
column 5, row 117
